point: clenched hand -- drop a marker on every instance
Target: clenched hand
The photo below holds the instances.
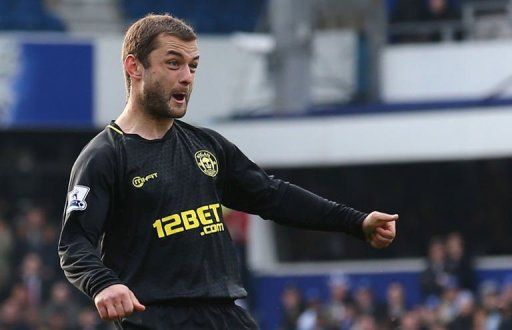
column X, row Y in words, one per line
column 117, row 301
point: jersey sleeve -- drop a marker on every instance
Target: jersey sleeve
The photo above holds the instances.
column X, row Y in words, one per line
column 249, row 188
column 86, row 211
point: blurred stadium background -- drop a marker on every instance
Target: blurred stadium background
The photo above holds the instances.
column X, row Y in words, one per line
column 400, row 105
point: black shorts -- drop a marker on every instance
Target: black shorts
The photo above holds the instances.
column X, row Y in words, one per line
column 192, row 314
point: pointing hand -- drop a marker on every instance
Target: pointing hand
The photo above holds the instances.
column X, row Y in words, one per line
column 379, row 229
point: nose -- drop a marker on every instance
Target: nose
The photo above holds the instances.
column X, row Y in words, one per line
column 186, row 76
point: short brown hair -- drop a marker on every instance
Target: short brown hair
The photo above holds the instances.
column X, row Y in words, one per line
column 139, row 40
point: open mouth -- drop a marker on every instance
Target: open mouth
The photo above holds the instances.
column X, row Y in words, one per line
column 179, row 97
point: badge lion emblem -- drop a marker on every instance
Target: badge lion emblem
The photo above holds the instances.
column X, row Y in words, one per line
column 207, row 162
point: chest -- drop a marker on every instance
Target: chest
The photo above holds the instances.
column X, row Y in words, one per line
column 178, row 171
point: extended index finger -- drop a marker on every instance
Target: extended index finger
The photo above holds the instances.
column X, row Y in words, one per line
column 385, row 216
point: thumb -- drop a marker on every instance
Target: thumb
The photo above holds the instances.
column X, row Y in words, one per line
column 136, row 304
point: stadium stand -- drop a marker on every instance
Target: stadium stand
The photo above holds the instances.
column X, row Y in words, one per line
column 215, row 16
column 28, row 15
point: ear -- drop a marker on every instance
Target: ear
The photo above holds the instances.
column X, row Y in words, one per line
column 133, row 67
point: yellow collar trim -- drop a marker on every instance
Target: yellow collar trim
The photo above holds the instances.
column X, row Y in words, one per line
column 115, row 129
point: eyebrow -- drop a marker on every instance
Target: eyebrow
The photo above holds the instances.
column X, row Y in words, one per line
column 175, row 53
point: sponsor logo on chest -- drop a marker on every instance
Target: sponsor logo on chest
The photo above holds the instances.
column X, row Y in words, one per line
column 139, row 181
column 207, row 218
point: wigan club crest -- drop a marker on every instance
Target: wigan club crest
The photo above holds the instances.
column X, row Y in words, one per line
column 207, row 163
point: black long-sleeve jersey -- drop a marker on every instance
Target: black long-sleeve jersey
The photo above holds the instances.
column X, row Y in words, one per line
column 147, row 213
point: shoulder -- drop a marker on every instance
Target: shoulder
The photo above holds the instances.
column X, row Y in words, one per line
column 100, row 151
column 203, row 133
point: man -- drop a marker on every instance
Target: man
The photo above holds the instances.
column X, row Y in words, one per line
column 150, row 188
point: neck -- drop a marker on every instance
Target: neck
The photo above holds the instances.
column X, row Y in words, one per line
column 134, row 120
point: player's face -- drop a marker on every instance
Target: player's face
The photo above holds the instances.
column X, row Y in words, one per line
column 167, row 82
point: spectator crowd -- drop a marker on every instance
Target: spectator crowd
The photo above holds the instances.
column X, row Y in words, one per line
column 33, row 291
column 451, row 299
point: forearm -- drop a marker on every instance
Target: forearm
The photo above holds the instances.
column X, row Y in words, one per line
column 82, row 265
column 301, row 208
column 250, row 189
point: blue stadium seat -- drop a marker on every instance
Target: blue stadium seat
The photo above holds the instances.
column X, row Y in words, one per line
column 53, row 23
column 27, row 14
column 6, row 21
column 32, row 15
column 206, row 16
column 136, row 9
column 181, row 9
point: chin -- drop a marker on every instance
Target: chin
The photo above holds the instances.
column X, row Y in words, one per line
column 170, row 115
column 177, row 112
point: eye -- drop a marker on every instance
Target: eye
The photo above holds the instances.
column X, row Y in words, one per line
column 174, row 64
column 193, row 67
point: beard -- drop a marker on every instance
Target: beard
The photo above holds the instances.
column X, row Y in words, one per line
column 157, row 103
